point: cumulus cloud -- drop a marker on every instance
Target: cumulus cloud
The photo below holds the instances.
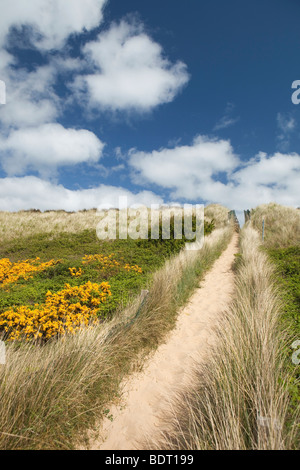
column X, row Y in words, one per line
column 267, row 178
column 51, row 21
column 30, row 98
column 123, row 69
column 30, row 192
column 184, row 168
column 209, row 171
column 130, row 71
column 45, row 148
column 269, row 170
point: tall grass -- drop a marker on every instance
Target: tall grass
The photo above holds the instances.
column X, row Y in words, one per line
column 14, row 225
column 282, row 224
column 51, row 395
column 218, row 213
column 240, row 397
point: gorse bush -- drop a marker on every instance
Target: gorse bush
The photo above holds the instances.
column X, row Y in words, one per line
column 63, row 312
column 82, row 258
column 109, row 262
column 12, row 272
column 23, row 306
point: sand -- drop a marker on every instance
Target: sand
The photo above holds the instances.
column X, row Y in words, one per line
column 146, row 394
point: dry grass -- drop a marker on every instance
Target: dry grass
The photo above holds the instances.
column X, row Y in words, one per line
column 14, row 225
column 51, row 395
column 240, row 397
column 282, row 224
column 218, row 213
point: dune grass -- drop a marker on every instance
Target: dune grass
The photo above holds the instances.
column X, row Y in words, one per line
column 24, row 224
column 218, row 213
column 51, row 396
column 282, row 245
column 282, row 225
column 240, row 398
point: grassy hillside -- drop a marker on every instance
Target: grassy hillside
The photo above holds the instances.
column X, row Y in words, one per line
column 79, row 258
column 53, row 391
column 43, row 269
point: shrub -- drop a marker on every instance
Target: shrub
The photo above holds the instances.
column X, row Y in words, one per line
column 66, row 311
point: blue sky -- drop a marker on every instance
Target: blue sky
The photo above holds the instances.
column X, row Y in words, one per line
column 162, row 101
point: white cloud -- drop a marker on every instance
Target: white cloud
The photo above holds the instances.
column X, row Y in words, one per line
column 130, row 71
column 6, row 60
column 276, row 169
column 266, row 179
column 30, row 192
column 51, row 21
column 30, row 99
column 47, row 147
column 185, row 168
column 193, row 173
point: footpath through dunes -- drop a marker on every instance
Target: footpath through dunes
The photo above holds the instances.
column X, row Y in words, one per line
column 145, row 395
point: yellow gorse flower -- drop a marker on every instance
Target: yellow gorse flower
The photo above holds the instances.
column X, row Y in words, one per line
column 135, row 268
column 12, row 272
column 75, row 273
column 109, row 262
column 65, row 311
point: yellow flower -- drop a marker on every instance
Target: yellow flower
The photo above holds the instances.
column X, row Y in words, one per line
column 59, row 313
column 109, row 262
column 75, row 273
column 12, row 272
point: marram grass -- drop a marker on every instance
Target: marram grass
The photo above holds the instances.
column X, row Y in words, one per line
column 240, row 397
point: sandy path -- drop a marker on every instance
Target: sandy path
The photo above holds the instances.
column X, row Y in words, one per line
column 168, row 369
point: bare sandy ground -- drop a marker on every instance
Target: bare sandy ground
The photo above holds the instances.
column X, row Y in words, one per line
column 146, row 394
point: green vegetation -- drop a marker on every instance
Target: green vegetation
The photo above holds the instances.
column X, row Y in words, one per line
column 53, row 394
column 287, row 261
column 70, row 249
column 282, row 245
